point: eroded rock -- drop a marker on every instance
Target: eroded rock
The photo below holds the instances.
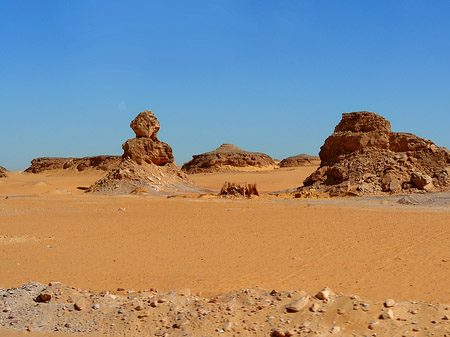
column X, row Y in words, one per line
column 300, row 160
column 3, row 172
column 103, row 163
column 363, row 156
column 147, row 164
column 228, row 157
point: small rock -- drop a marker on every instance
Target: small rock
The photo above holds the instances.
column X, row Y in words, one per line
column 389, row 303
column 139, row 308
column 96, row 306
column 44, row 298
column 388, row 314
column 446, row 318
column 227, row 327
column 82, row 303
column 324, row 294
column 278, row 333
column 298, row 305
column 335, row 330
column 315, row 307
column 185, row 292
column 181, row 322
column 372, row 325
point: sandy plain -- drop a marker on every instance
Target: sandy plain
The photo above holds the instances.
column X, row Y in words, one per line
column 50, row 230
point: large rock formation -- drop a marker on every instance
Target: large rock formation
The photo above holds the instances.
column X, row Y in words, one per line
column 3, row 172
column 146, row 164
column 103, row 163
column 228, row 157
column 300, row 160
column 363, row 156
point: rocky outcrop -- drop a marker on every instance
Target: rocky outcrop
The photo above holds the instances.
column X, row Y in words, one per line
column 147, row 164
column 228, row 157
column 103, row 163
column 3, row 172
column 300, row 160
column 363, row 156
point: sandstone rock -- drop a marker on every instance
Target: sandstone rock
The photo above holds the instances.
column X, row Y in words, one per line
column 389, row 303
column 103, row 163
column 363, row 157
column 315, row 307
column 388, row 314
column 44, row 298
column 372, row 325
column 146, row 150
column 238, row 190
column 227, row 327
column 422, row 181
column 278, row 333
column 324, row 294
column 82, row 303
column 335, row 330
column 3, row 172
column 145, row 125
column 147, row 164
column 300, row 160
column 298, row 305
column 228, row 157
column 140, row 191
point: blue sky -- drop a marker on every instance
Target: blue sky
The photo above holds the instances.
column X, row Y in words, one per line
column 268, row 76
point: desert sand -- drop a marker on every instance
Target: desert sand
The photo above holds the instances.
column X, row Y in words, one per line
column 51, row 230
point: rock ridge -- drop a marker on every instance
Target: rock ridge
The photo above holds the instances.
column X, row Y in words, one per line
column 103, row 163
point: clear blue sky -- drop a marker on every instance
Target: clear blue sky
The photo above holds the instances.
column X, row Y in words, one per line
column 268, row 76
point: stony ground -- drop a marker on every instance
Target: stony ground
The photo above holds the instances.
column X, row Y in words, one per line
column 258, row 312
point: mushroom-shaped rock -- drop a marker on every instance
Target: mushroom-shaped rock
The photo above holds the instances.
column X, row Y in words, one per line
column 146, row 164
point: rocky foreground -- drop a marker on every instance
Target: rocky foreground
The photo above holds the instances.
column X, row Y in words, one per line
column 59, row 307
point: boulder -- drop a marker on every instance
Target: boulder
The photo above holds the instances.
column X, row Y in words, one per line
column 145, row 125
column 363, row 156
column 147, row 150
column 228, row 157
column 300, row 160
